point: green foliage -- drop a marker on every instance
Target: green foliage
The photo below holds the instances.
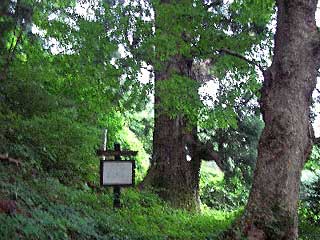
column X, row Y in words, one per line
column 225, row 196
column 237, row 147
column 209, row 173
column 50, row 210
column 129, row 140
column 179, row 98
column 219, row 117
column 310, row 203
column 310, row 189
column 69, row 149
column 240, row 26
column 54, row 143
column 54, row 105
column 28, row 98
column 141, row 124
column 313, row 163
column 308, row 231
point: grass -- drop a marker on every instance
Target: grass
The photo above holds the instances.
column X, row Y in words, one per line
column 48, row 209
column 51, row 210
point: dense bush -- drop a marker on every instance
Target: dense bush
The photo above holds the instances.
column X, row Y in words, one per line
column 310, row 202
column 69, row 149
column 49, row 134
column 309, row 208
column 55, row 142
column 222, row 195
column 308, row 231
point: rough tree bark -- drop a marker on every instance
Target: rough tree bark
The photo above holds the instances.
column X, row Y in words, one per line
column 177, row 151
column 286, row 141
column 172, row 174
column 175, row 178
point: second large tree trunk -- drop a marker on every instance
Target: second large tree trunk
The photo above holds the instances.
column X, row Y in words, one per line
column 286, row 141
column 175, row 166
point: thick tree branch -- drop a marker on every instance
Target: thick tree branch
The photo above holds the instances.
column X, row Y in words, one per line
column 316, row 141
column 6, row 158
column 213, row 4
column 146, row 68
column 207, row 153
column 238, row 55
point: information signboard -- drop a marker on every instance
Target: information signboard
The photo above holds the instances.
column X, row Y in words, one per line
column 117, row 173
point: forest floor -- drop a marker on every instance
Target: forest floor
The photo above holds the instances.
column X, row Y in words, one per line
column 43, row 208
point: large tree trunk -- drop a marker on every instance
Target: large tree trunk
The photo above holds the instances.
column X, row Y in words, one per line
column 175, row 165
column 286, row 141
column 172, row 173
column 177, row 152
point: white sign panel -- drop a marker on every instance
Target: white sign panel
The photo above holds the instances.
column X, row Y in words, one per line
column 115, row 173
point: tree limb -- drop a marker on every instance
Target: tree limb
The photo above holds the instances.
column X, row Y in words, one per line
column 6, row 158
column 213, row 4
column 316, row 141
column 145, row 68
column 238, row 55
column 207, row 153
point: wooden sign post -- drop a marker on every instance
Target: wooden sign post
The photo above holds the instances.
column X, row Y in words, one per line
column 117, row 189
column 117, row 173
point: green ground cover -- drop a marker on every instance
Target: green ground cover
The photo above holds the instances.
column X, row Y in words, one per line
column 47, row 209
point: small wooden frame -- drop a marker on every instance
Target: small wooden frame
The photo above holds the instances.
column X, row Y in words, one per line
column 109, row 153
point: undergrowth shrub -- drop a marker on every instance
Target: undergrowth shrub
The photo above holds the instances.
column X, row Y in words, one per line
column 51, row 210
column 49, row 134
column 65, row 147
column 309, row 208
column 310, row 201
column 29, row 98
column 308, row 231
column 222, row 195
column 54, row 142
